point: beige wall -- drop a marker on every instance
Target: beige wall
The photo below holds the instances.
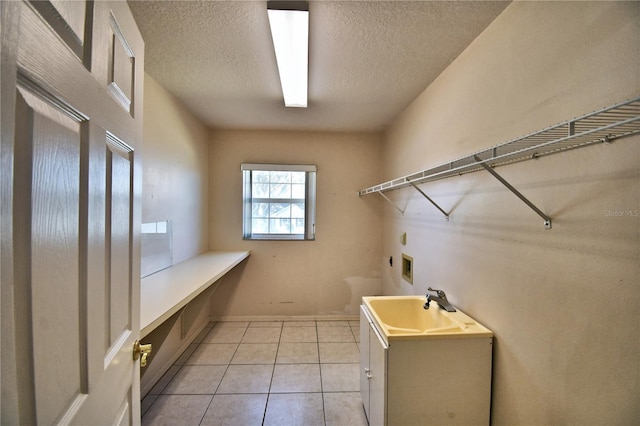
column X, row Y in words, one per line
column 175, row 170
column 299, row 278
column 175, row 187
column 564, row 303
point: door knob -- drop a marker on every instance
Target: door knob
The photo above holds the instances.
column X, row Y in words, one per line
column 142, row 352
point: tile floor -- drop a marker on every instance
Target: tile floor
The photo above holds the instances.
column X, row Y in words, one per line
column 263, row 373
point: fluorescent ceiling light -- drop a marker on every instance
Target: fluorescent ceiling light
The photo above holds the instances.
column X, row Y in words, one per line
column 290, row 33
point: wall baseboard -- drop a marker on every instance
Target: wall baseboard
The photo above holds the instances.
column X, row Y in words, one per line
column 285, row 318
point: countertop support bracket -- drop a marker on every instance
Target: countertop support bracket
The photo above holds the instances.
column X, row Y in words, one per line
column 547, row 219
column 446, row 215
column 392, row 203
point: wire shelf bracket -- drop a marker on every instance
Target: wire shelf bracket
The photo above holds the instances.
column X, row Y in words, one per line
column 547, row 219
column 601, row 126
column 392, row 203
column 446, row 215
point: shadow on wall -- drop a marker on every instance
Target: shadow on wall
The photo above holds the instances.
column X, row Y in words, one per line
column 361, row 286
column 226, row 289
column 346, row 295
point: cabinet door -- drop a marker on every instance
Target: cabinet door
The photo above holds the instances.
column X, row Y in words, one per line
column 364, row 360
column 378, row 381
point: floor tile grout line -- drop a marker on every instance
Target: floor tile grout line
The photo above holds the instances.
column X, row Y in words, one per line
column 273, row 369
column 215, row 391
column 227, row 365
column 266, row 405
column 204, row 413
column 324, row 413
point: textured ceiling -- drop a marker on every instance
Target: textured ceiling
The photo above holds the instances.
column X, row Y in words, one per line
column 367, row 59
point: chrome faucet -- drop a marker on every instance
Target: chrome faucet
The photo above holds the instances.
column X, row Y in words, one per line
column 440, row 299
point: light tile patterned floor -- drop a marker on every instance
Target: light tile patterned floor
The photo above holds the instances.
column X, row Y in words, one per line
column 291, row 373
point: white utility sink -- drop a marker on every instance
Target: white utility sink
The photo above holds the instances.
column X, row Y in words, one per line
column 423, row 366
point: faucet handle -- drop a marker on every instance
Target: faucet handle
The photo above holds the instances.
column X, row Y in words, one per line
column 440, row 293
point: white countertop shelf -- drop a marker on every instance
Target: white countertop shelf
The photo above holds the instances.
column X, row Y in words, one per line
column 166, row 292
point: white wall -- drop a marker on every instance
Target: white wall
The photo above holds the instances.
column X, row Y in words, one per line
column 564, row 303
column 175, row 170
column 327, row 276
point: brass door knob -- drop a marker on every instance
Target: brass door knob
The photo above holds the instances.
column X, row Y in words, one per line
column 142, row 352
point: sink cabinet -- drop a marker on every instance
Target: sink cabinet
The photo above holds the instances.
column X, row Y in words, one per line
column 373, row 370
column 434, row 381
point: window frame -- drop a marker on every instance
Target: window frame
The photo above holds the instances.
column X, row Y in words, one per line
column 309, row 201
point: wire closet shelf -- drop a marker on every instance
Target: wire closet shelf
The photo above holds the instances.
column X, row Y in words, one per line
column 603, row 126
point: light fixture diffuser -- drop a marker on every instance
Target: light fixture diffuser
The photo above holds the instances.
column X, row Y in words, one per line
column 289, row 22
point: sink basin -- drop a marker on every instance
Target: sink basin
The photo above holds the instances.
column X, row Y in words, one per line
column 401, row 317
column 407, row 314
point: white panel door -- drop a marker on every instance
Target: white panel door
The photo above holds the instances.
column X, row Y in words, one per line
column 72, row 77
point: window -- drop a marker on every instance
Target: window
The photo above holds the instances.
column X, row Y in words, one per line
column 279, row 202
